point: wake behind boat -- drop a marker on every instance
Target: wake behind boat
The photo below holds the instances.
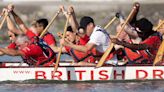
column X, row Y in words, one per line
column 67, row 72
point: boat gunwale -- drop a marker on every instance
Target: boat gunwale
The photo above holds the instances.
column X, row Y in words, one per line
column 67, row 66
column 128, row 65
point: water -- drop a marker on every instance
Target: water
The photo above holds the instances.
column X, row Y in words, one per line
column 150, row 86
column 43, row 86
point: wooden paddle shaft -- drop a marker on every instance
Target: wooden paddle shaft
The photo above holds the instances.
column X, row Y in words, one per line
column 60, row 50
column 109, row 49
column 58, row 59
column 159, row 26
column 137, row 5
column 110, row 22
column 159, row 55
column 126, row 21
column 47, row 27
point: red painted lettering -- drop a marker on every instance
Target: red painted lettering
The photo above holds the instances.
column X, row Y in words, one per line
column 57, row 75
column 80, row 73
column 158, row 73
column 141, row 72
column 69, row 75
column 104, row 75
column 122, row 74
column 40, row 75
column 92, row 75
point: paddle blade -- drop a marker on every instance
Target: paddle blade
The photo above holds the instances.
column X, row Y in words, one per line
column 159, row 55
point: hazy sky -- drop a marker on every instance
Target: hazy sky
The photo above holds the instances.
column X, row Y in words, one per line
column 148, row 1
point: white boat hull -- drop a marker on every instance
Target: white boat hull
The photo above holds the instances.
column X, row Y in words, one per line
column 71, row 73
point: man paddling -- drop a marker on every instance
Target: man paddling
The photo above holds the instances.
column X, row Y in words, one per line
column 147, row 48
column 99, row 38
column 31, row 53
column 76, row 36
column 33, row 32
column 82, row 37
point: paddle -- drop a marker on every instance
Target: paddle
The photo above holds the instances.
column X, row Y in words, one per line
column 110, row 22
column 109, row 49
column 61, row 46
column 159, row 26
column 159, row 55
column 133, row 19
column 47, row 27
column 160, row 52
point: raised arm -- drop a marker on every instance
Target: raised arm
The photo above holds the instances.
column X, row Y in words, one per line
column 73, row 22
column 130, row 46
column 19, row 22
column 131, row 31
column 128, row 28
column 17, row 19
column 11, row 26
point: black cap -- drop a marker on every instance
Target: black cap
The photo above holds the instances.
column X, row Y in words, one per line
column 144, row 25
column 85, row 21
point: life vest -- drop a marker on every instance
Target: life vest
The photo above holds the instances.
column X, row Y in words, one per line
column 83, row 40
column 47, row 51
column 141, row 56
column 48, row 61
column 30, row 61
column 80, row 56
column 91, row 56
column 135, row 56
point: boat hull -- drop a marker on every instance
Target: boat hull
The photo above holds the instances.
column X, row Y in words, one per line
column 71, row 73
